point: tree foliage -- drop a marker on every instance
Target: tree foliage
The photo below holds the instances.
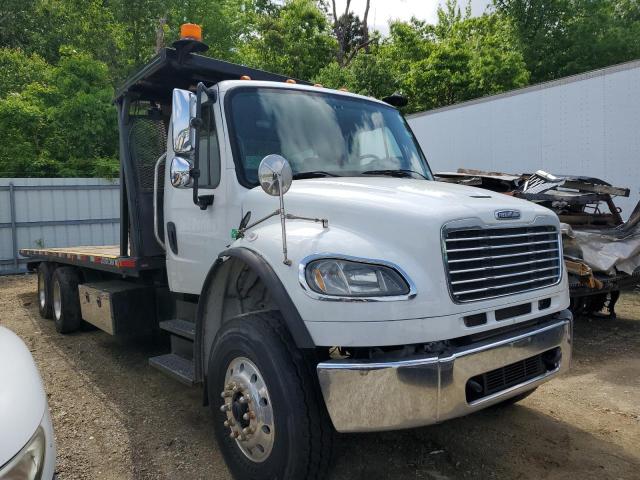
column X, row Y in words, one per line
column 62, row 59
column 61, row 124
column 565, row 37
column 294, row 40
column 458, row 59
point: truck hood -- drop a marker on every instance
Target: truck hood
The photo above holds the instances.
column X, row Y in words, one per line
column 22, row 397
column 355, row 199
column 394, row 220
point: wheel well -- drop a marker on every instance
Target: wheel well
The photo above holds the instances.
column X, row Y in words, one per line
column 236, row 289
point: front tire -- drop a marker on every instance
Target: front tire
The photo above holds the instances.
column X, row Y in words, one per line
column 66, row 300
column 269, row 418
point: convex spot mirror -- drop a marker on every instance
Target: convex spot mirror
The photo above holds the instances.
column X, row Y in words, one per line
column 183, row 111
column 275, row 173
column 180, row 173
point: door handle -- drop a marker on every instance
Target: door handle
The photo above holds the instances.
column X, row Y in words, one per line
column 173, row 237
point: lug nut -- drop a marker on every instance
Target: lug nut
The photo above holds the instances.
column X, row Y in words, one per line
column 225, row 394
column 249, row 416
column 225, row 407
column 247, row 431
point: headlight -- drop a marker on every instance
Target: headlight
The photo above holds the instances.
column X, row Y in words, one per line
column 351, row 278
column 28, row 464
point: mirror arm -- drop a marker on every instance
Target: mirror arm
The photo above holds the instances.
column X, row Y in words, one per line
column 283, row 222
column 241, row 231
column 196, row 124
column 323, row 221
column 202, row 201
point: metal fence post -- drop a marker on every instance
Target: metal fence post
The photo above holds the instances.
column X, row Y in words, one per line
column 14, row 228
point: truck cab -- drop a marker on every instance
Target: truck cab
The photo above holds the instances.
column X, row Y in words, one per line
column 313, row 274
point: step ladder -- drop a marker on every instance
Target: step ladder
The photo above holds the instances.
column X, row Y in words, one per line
column 179, row 363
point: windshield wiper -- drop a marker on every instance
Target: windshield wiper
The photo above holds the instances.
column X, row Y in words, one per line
column 313, row 174
column 399, row 172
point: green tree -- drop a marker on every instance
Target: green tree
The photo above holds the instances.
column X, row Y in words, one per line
column 458, row 59
column 367, row 74
column 295, row 40
column 564, row 37
column 19, row 70
column 61, row 125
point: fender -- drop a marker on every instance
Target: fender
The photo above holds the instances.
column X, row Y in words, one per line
column 292, row 318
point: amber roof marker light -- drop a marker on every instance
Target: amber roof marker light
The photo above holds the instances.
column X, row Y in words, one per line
column 190, row 41
column 191, row 31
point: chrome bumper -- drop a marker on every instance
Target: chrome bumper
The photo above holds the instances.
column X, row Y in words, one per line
column 364, row 396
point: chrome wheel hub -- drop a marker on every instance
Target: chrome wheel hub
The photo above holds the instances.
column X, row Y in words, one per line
column 57, row 300
column 247, row 406
column 42, row 299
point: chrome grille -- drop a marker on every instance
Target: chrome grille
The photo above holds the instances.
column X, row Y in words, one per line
column 492, row 262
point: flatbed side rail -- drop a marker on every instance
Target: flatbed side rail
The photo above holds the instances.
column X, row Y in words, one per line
column 130, row 266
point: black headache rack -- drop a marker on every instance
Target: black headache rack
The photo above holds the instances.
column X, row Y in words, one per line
column 144, row 110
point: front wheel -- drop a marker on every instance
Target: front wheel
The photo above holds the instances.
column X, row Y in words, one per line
column 269, row 418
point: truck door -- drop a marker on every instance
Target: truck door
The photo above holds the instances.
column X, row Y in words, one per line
column 194, row 236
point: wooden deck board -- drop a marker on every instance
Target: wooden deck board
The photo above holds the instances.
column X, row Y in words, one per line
column 104, row 251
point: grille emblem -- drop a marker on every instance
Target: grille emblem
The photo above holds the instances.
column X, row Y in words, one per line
column 507, row 214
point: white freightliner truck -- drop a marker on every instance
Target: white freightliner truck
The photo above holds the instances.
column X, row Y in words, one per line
column 309, row 273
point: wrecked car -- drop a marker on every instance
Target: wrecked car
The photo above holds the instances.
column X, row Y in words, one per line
column 601, row 250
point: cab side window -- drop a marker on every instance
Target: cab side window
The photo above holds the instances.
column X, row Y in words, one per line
column 209, row 150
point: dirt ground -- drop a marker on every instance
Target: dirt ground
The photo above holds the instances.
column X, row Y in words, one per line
column 117, row 418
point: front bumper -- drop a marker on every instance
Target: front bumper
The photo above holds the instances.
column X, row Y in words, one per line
column 363, row 396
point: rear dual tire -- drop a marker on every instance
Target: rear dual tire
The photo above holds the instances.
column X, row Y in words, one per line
column 290, row 426
column 45, row 301
column 65, row 299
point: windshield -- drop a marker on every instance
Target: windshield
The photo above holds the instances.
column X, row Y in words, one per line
column 320, row 134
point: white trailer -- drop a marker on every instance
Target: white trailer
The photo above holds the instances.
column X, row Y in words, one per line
column 586, row 124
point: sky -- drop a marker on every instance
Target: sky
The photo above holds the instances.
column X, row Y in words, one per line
column 381, row 11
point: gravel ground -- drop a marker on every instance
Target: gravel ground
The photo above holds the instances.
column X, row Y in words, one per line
column 117, row 418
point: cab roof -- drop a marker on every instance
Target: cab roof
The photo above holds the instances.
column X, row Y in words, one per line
column 172, row 68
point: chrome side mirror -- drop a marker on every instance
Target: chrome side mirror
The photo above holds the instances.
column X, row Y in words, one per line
column 274, row 174
column 183, row 110
column 180, row 173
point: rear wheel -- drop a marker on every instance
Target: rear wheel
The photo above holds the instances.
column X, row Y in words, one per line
column 45, row 271
column 269, row 418
column 66, row 300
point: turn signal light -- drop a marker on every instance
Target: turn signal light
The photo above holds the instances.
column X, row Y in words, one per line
column 190, row 31
column 290, row 80
column 245, row 77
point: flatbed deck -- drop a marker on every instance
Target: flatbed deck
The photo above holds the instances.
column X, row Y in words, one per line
column 99, row 257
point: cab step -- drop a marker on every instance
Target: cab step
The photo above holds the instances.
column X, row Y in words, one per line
column 175, row 366
column 181, row 328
